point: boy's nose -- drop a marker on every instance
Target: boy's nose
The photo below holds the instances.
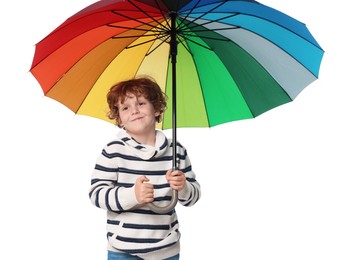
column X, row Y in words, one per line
column 135, row 110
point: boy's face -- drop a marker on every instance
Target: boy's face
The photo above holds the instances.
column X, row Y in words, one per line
column 137, row 115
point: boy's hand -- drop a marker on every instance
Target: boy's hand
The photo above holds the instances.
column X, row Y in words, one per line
column 144, row 191
column 176, row 179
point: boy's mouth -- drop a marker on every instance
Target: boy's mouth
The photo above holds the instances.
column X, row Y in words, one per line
column 136, row 119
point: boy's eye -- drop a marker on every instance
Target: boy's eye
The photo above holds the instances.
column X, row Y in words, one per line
column 124, row 108
column 141, row 103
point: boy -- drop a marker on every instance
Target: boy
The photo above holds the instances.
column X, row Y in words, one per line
column 134, row 170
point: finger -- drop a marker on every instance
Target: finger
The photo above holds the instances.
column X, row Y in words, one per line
column 175, row 173
column 150, row 199
column 149, row 195
column 168, row 174
column 179, row 178
column 148, row 186
column 178, row 174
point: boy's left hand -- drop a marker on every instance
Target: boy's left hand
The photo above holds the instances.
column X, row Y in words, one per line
column 176, row 179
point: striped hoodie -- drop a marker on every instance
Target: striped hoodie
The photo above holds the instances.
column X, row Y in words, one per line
column 134, row 228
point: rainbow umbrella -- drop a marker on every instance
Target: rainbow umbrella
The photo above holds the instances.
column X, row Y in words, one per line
column 217, row 60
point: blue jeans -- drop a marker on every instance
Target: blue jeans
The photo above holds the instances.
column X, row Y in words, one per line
column 121, row 256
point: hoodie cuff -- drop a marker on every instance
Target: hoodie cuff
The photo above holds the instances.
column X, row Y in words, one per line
column 184, row 194
column 128, row 198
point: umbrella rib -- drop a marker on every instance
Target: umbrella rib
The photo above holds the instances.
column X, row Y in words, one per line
column 162, row 42
column 128, row 28
column 168, row 25
column 141, row 22
column 187, row 15
column 237, row 13
column 217, row 29
column 164, row 27
column 189, row 30
column 139, row 36
column 187, row 34
column 181, row 42
column 138, row 44
column 201, row 45
column 207, row 12
column 189, row 25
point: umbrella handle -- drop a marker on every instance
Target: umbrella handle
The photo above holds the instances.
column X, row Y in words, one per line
column 168, row 208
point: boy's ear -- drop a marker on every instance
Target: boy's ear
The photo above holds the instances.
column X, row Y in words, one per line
column 157, row 113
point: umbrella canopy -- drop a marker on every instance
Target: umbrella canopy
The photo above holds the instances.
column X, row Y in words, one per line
column 235, row 59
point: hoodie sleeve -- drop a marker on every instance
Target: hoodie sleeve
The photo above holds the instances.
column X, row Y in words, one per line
column 104, row 191
column 191, row 193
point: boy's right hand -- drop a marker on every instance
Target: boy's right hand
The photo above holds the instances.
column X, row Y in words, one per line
column 144, row 191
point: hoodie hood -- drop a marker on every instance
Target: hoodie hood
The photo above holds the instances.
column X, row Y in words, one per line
column 144, row 151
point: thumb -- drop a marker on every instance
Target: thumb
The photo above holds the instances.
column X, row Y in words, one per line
column 143, row 179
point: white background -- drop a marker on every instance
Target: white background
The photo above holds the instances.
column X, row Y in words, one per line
column 274, row 187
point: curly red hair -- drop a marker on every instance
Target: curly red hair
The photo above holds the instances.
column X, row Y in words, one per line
column 143, row 86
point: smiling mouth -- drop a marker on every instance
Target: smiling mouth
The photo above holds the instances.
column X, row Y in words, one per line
column 136, row 119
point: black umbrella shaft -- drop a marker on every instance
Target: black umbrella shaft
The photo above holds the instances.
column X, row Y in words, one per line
column 173, row 50
column 173, row 53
